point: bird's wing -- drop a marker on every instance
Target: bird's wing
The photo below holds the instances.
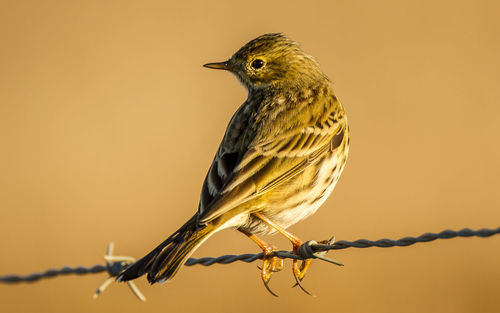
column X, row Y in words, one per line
column 234, row 180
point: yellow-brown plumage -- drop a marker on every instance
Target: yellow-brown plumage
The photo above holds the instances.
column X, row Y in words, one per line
column 282, row 154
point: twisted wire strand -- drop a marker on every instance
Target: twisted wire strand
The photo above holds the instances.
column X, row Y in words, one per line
column 309, row 249
column 80, row 270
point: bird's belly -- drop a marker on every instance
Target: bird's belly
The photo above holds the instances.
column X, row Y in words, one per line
column 300, row 197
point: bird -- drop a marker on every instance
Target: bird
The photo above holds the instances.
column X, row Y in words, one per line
column 281, row 156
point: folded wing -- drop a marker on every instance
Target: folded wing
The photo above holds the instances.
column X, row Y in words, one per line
column 235, row 178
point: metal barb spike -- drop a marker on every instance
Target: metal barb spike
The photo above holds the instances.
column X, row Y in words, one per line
column 124, row 260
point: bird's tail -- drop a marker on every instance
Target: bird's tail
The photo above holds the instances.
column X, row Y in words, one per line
column 164, row 261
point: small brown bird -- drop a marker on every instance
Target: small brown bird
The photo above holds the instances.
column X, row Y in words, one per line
column 281, row 156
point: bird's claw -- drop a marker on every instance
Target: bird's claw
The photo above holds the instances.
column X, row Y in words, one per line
column 299, row 273
column 299, row 283
column 271, row 264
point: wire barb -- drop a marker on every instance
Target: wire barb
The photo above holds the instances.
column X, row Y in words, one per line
column 113, row 271
column 311, row 249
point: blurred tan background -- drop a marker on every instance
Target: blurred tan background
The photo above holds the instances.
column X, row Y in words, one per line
column 108, row 124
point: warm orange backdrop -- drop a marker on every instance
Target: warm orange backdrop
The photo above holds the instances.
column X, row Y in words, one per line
column 108, row 124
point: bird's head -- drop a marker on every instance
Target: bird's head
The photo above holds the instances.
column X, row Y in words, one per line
column 272, row 60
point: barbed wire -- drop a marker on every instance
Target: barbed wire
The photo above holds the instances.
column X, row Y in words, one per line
column 309, row 250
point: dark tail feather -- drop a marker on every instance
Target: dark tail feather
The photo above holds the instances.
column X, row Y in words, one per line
column 164, row 261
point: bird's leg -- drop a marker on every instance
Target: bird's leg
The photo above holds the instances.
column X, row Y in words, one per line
column 270, row 264
column 298, row 271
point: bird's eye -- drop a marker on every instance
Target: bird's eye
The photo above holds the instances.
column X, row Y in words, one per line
column 257, row 63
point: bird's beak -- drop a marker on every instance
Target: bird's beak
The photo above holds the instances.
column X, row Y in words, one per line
column 218, row 65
